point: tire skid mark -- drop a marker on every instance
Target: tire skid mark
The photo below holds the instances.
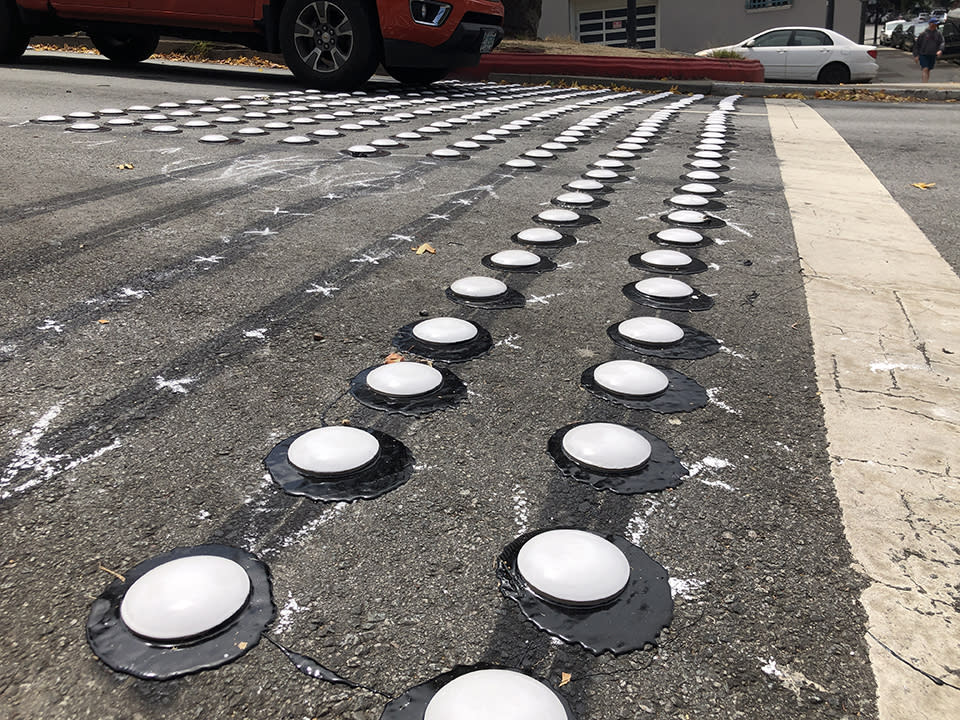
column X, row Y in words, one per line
column 37, row 258
column 197, row 262
column 141, row 403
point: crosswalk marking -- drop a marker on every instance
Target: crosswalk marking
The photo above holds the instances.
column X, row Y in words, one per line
column 883, row 307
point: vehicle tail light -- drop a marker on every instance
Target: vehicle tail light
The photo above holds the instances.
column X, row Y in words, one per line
column 872, row 53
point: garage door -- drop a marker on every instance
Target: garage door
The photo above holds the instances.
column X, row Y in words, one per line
column 609, row 27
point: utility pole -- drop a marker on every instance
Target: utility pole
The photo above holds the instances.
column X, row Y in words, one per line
column 631, row 23
column 829, row 22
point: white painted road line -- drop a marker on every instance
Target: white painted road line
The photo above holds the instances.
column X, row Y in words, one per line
column 883, row 308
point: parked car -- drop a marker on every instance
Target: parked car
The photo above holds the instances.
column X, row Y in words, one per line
column 951, row 36
column 807, row 54
column 327, row 44
column 886, row 35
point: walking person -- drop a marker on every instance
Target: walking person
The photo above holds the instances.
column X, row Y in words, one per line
column 927, row 48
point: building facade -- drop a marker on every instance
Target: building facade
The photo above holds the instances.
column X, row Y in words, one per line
column 688, row 25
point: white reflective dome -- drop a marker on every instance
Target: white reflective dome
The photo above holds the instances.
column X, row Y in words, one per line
column 185, row 597
column 706, row 175
column 606, row 446
column 601, row 174
column 495, row 695
column 215, row 138
column 559, row 216
column 699, row 188
column 585, row 185
column 620, row 154
column 404, row 379
column 520, row 163
column 575, row 198
column 515, row 258
column 478, row 286
column 573, row 566
column 710, row 154
column 706, row 164
column 539, row 235
column 554, row 146
column 361, row 149
column 666, row 258
column 689, row 200
column 539, row 153
column 666, row 288
column 446, row 153
column 687, row 216
column 607, row 163
column 445, row 330
column 629, row 377
column 651, row 331
column 331, row 450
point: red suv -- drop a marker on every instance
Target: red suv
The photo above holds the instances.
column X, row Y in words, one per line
column 327, row 44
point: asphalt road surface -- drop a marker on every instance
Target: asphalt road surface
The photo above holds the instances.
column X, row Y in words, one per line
column 171, row 310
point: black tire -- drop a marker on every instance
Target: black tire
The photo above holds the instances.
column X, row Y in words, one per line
column 126, row 47
column 330, row 44
column 13, row 36
column 834, row 74
column 417, row 76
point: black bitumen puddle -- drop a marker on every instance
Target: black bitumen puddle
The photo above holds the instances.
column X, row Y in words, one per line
column 460, row 352
column 683, row 393
column 697, row 302
column 391, row 469
column 450, row 393
column 694, row 345
column 663, row 470
column 122, row 650
column 628, row 622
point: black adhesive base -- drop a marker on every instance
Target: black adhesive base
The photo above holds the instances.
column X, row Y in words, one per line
column 451, row 392
column 630, row 621
column 697, row 302
column 683, row 394
column 121, row 650
column 545, row 265
column 693, row 268
column 392, row 468
column 663, row 470
column 413, row 703
column 694, row 345
column 510, row 300
column 406, row 341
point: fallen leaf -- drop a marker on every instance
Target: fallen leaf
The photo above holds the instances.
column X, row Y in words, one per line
column 393, row 358
column 117, row 575
column 103, row 321
column 425, row 248
column 564, row 679
column 924, row 186
column 242, row 645
column 124, row 166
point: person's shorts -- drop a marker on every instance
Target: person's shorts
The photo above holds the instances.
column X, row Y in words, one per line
column 927, row 61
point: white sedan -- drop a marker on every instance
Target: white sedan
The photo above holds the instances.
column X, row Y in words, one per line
column 807, row 54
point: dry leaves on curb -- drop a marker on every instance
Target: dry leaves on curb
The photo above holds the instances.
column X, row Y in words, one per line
column 923, row 186
column 425, row 248
column 565, row 678
column 393, row 358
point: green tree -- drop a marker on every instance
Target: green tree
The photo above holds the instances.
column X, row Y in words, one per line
column 521, row 18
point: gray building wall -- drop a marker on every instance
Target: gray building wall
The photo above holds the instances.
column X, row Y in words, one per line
column 691, row 25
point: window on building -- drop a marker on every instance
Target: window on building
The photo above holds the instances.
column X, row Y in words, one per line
column 759, row 4
column 609, row 27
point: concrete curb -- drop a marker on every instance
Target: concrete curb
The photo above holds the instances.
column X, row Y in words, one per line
column 536, row 75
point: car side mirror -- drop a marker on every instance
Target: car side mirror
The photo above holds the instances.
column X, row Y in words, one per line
column 748, row 44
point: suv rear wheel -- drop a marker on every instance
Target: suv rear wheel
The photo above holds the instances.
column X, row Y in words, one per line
column 126, row 46
column 417, row 76
column 13, row 37
column 329, row 44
